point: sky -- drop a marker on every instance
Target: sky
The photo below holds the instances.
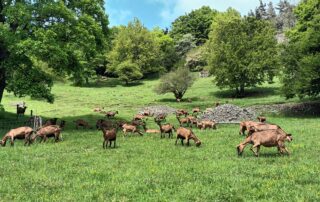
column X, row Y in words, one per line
column 162, row 13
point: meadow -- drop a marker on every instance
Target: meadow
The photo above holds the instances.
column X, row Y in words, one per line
column 152, row 169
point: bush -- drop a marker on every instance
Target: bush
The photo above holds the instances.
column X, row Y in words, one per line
column 176, row 82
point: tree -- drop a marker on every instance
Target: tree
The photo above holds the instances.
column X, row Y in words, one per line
column 166, row 44
column 136, row 44
column 241, row 51
column 261, row 12
column 271, row 14
column 301, row 55
column 184, row 45
column 286, row 18
column 197, row 23
column 128, row 71
column 66, row 35
column 176, row 82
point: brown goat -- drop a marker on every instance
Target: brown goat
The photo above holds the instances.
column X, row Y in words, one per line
column 130, row 128
column 138, row 117
column 109, row 136
column 50, row 122
column 183, row 121
column 267, row 138
column 166, row 128
column 181, row 112
column 147, row 113
column 82, row 123
column 262, row 119
column 192, row 120
column 103, row 124
column 262, row 127
column 151, row 131
column 48, row 131
column 187, row 134
column 160, row 117
column 98, row 109
column 208, row 124
column 18, row 133
column 245, row 125
column 111, row 114
column 196, row 110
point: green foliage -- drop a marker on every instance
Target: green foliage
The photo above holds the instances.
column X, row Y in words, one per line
column 128, row 71
column 166, row 44
column 241, row 52
column 195, row 59
column 197, row 23
column 301, row 55
column 135, row 43
column 185, row 44
column 66, row 35
column 176, row 82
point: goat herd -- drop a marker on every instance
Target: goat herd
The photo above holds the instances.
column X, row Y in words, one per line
column 258, row 133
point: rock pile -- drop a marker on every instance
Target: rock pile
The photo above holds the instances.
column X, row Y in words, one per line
column 228, row 113
column 159, row 109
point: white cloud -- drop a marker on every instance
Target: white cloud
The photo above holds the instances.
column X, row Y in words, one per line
column 174, row 8
column 118, row 16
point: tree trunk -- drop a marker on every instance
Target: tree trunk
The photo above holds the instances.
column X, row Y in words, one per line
column 2, row 82
column 241, row 90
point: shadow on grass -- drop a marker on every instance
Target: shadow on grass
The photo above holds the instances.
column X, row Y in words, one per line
column 257, row 92
column 184, row 100
column 111, row 83
column 10, row 121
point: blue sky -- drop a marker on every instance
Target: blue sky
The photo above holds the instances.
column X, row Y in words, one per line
column 161, row 13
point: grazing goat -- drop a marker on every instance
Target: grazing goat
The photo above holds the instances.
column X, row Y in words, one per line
column 245, row 125
column 187, row 134
column 18, row 133
column 150, row 131
column 82, row 123
column 262, row 119
column 98, row 109
column 262, row 127
column 160, row 117
column 182, row 121
column 139, row 117
column 192, row 120
column 181, row 112
column 208, row 124
column 267, row 138
column 48, row 131
column 109, row 136
column 103, row 124
column 196, row 110
column 50, row 122
column 147, row 113
column 166, row 128
column 111, row 114
column 130, row 128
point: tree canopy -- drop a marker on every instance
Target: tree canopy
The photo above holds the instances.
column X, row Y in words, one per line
column 301, row 55
column 136, row 44
column 241, row 51
column 66, row 35
column 197, row 23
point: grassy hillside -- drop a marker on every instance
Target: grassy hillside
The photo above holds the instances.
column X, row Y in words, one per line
column 152, row 169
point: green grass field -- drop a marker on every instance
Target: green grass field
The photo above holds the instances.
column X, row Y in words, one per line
column 152, row 169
